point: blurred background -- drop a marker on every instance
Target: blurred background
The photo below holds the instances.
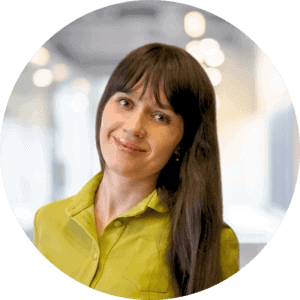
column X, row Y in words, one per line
column 48, row 149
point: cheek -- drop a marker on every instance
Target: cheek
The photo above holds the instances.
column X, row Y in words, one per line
column 165, row 145
column 108, row 123
column 105, row 129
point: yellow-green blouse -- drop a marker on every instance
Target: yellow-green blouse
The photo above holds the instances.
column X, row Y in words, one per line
column 128, row 259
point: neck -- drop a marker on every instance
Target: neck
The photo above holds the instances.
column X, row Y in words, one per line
column 117, row 194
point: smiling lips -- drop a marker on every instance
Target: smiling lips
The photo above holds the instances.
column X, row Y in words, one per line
column 129, row 147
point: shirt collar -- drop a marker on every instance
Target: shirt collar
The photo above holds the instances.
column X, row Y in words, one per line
column 86, row 197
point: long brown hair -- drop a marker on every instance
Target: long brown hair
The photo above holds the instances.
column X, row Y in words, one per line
column 190, row 187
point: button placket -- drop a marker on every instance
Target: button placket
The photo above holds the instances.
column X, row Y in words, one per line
column 109, row 237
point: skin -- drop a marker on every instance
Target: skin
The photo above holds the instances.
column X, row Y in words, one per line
column 130, row 177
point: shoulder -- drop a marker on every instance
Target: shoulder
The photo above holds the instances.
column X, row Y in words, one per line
column 52, row 209
column 228, row 238
column 51, row 214
column 229, row 253
column 49, row 218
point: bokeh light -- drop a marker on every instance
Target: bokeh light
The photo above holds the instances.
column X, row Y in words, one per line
column 194, row 24
column 61, row 72
column 81, row 85
column 215, row 60
column 194, row 49
column 209, row 46
column 214, row 75
column 41, row 57
column 43, row 77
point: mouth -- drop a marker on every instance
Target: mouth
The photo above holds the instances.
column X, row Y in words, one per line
column 128, row 146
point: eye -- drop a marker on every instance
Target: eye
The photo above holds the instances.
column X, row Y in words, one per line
column 124, row 102
column 162, row 118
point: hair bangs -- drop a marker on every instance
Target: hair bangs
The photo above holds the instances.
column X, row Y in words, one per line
column 148, row 76
column 162, row 70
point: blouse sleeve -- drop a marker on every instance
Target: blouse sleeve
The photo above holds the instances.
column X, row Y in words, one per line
column 229, row 253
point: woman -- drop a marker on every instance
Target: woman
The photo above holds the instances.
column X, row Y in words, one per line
column 150, row 225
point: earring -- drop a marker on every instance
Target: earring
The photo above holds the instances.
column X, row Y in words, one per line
column 177, row 153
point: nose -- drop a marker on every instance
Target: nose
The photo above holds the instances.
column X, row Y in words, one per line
column 135, row 125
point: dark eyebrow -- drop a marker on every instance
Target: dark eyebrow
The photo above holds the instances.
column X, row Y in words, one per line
column 158, row 103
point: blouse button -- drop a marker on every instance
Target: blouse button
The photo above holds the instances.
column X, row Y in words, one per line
column 117, row 223
column 95, row 257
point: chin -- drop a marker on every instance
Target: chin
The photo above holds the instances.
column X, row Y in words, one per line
column 123, row 170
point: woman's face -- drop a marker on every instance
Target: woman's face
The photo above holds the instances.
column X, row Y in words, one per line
column 137, row 136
